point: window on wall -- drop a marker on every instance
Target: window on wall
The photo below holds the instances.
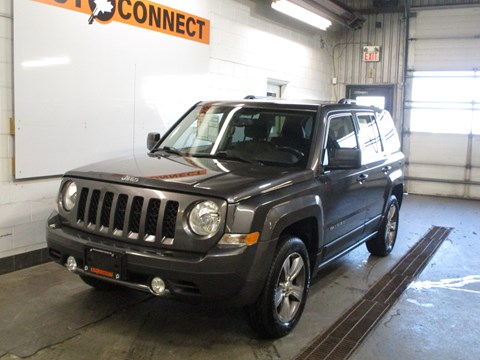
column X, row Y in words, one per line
column 276, row 88
column 377, row 101
column 445, row 102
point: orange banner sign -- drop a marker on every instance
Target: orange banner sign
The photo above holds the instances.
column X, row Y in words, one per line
column 141, row 13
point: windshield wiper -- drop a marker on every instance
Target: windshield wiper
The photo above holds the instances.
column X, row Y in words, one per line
column 226, row 156
column 170, row 150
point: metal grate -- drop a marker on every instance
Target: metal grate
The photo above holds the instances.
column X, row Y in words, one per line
column 92, row 211
column 120, row 212
column 129, row 218
column 134, row 224
column 343, row 337
column 170, row 219
column 152, row 217
column 106, row 209
column 82, row 204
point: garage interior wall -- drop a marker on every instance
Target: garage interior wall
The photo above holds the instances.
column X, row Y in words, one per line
column 443, row 36
column 250, row 45
column 386, row 29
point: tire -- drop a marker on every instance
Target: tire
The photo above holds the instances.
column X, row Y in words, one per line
column 383, row 243
column 280, row 305
column 97, row 283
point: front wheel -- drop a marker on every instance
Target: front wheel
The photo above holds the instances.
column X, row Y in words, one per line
column 280, row 305
column 383, row 243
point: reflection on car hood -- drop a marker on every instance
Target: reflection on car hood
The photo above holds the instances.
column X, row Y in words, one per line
column 231, row 180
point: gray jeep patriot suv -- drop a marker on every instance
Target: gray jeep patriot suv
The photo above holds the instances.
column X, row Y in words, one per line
column 242, row 201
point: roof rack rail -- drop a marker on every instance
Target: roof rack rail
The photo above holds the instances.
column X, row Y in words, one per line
column 253, row 97
column 347, row 101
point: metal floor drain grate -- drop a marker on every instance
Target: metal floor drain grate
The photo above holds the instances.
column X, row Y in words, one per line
column 343, row 337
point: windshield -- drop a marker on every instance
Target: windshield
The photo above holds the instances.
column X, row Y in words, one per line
column 270, row 136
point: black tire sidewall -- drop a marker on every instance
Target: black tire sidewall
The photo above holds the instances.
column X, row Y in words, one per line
column 274, row 326
column 392, row 202
column 378, row 245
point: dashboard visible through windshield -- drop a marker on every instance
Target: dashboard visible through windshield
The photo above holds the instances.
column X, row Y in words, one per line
column 269, row 136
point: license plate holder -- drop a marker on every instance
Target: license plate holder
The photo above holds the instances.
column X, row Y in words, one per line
column 104, row 263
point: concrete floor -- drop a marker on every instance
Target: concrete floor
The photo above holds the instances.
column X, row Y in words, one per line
column 48, row 313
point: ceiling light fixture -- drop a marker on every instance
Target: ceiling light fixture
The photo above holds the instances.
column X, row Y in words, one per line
column 301, row 14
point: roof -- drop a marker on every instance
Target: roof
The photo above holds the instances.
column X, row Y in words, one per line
column 269, row 102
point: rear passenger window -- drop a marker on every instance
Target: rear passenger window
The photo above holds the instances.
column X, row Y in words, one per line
column 369, row 135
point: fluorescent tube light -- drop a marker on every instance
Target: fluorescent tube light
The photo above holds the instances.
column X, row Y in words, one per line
column 301, row 13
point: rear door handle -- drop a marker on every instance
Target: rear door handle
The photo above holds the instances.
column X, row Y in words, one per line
column 386, row 169
column 361, row 178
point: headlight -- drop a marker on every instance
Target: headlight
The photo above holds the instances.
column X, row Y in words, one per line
column 205, row 218
column 69, row 195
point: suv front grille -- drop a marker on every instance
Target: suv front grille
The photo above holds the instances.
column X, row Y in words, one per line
column 125, row 216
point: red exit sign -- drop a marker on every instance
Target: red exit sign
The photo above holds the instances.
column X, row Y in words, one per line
column 371, row 53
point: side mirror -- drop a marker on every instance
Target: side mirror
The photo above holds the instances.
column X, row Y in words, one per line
column 345, row 159
column 152, row 139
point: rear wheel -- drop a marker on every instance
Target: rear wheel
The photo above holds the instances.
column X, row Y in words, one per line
column 383, row 243
column 280, row 305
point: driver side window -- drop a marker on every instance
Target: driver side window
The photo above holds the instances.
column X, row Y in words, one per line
column 341, row 135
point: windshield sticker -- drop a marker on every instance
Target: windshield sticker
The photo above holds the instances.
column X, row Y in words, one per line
column 208, row 127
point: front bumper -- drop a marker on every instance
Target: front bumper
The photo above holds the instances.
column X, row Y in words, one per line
column 235, row 275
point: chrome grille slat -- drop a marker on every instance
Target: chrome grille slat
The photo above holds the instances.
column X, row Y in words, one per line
column 125, row 215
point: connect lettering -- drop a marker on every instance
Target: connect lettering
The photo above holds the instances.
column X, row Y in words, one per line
column 144, row 14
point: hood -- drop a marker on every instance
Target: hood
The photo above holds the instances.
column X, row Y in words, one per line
column 230, row 180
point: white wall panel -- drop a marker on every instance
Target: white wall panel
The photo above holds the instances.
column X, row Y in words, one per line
column 88, row 88
column 436, row 189
column 438, row 172
column 446, row 39
column 103, row 87
column 474, row 192
column 438, row 149
column 476, row 151
column 475, row 174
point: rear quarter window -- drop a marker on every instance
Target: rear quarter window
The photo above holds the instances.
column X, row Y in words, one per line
column 369, row 136
column 388, row 132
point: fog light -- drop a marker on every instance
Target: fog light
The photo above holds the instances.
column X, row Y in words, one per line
column 157, row 285
column 71, row 264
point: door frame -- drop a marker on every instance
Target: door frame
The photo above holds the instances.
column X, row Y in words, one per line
column 388, row 91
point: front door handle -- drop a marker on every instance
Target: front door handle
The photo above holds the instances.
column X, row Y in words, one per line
column 386, row 169
column 361, row 178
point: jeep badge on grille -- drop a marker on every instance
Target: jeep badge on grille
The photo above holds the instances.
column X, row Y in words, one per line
column 130, row 179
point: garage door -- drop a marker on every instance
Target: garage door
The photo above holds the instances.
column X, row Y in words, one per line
column 442, row 106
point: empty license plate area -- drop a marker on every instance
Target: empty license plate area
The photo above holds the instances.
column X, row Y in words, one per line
column 104, row 263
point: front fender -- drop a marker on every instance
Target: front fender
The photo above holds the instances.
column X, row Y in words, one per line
column 287, row 213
